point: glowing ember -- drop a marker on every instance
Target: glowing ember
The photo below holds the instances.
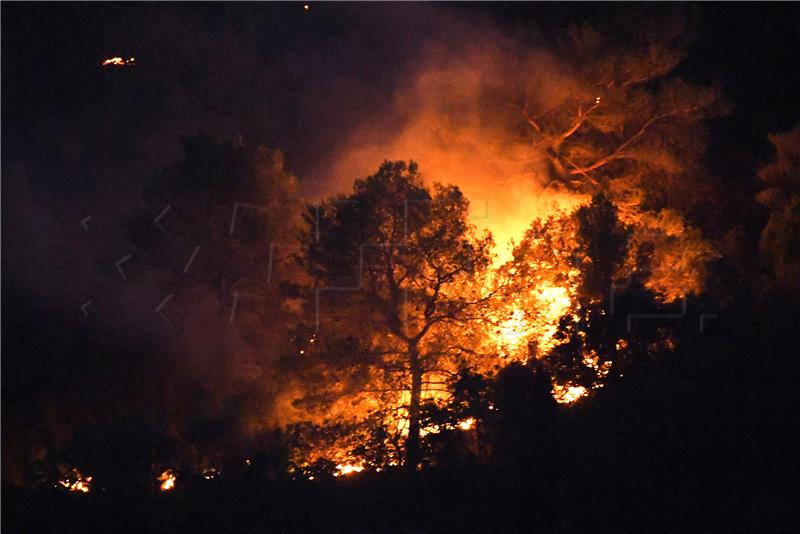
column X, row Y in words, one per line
column 568, row 394
column 210, row 473
column 118, row 62
column 167, row 479
column 467, row 424
column 347, row 469
column 75, row 481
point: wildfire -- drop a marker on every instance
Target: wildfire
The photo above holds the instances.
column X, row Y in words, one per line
column 347, row 469
column 167, row 480
column 514, row 330
column 210, row 473
column 568, row 394
column 75, row 481
column 549, row 303
column 118, row 62
column 467, row 424
column 555, row 302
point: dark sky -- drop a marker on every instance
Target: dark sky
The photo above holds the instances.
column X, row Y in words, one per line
column 285, row 88
column 77, row 139
column 51, row 52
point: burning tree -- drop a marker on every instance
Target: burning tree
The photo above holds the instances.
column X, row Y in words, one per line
column 628, row 133
column 400, row 274
column 623, row 124
column 557, row 287
column 627, row 127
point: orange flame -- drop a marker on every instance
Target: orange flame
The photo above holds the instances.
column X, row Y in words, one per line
column 75, row 481
column 167, row 479
column 118, row 61
column 568, row 394
column 347, row 469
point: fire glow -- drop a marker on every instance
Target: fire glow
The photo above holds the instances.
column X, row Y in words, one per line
column 77, row 482
column 347, row 469
column 467, row 424
column 167, row 480
column 118, row 61
column 568, row 394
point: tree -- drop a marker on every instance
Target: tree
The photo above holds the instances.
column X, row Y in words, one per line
column 626, row 126
column 239, row 205
column 580, row 338
column 213, row 238
column 622, row 124
column 399, row 268
column 602, row 244
column 780, row 238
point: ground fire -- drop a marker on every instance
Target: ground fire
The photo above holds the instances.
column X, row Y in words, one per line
column 118, row 62
column 167, row 480
column 74, row 480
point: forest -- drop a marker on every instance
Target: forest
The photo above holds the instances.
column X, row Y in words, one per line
column 541, row 274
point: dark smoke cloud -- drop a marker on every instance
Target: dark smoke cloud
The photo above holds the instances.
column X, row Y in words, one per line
column 79, row 140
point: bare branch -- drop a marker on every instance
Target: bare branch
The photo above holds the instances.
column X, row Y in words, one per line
column 619, row 152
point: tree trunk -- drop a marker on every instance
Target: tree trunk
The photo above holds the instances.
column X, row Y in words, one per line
column 412, row 444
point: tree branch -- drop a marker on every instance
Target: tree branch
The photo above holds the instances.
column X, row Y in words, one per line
column 619, row 151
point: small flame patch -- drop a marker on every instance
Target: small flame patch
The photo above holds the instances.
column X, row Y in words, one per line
column 118, row 61
column 167, row 480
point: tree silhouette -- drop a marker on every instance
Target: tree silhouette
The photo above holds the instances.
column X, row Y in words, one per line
column 780, row 238
column 213, row 239
column 414, row 269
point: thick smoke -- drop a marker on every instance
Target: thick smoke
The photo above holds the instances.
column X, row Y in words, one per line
column 339, row 89
column 458, row 114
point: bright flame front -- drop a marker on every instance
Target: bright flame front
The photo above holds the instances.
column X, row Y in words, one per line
column 167, row 480
column 76, row 481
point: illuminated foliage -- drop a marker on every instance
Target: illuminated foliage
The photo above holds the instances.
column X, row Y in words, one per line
column 540, row 287
column 626, row 127
column 780, row 239
column 401, row 274
column 580, row 342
